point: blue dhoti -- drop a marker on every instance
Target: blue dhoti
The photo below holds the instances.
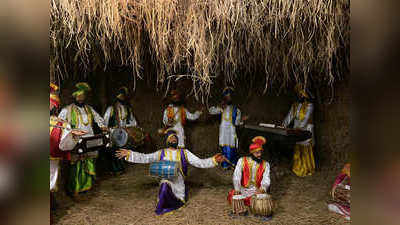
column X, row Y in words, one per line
column 231, row 154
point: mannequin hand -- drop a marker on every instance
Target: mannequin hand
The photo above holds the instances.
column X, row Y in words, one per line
column 122, row 153
column 219, row 158
column 78, row 132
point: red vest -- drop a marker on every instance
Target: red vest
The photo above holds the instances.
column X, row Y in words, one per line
column 246, row 173
column 55, row 138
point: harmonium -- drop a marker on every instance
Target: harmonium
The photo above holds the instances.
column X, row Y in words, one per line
column 92, row 143
column 278, row 138
column 276, row 133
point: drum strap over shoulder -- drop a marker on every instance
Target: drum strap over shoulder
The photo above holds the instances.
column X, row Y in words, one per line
column 183, row 162
column 162, row 154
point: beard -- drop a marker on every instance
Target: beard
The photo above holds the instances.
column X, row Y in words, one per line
column 229, row 102
column 301, row 99
column 172, row 144
column 122, row 102
column 258, row 160
column 79, row 104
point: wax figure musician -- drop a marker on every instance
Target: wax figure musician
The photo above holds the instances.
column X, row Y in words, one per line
column 81, row 116
column 120, row 114
column 172, row 194
column 300, row 115
column 176, row 115
column 342, row 181
column 61, row 140
column 231, row 117
column 252, row 174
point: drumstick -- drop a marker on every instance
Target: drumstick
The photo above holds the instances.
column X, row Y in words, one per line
column 229, row 162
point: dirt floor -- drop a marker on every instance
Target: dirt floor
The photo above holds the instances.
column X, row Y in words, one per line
column 130, row 198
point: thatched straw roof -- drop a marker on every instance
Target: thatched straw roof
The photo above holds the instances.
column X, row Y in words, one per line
column 281, row 41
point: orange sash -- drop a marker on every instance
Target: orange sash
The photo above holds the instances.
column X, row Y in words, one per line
column 171, row 114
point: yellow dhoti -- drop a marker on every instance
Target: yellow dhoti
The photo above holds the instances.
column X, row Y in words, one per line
column 303, row 160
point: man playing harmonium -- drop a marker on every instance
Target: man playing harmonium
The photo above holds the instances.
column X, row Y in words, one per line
column 251, row 177
column 175, row 116
column 300, row 115
column 231, row 117
column 61, row 140
column 120, row 114
column 172, row 194
column 81, row 116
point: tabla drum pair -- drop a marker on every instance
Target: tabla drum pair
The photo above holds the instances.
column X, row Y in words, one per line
column 164, row 169
column 261, row 205
column 127, row 137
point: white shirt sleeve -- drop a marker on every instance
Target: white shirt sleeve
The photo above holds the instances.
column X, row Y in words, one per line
column 266, row 181
column 67, row 141
column 63, row 114
column 288, row 119
column 308, row 115
column 215, row 110
column 97, row 118
column 200, row 163
column 192, row 116
column 237, row 175
column 107, row 116
column 136, row 157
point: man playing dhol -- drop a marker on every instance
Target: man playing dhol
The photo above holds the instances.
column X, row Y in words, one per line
column 172, row 194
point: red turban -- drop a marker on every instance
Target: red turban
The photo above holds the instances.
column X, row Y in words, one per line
column 257, row 144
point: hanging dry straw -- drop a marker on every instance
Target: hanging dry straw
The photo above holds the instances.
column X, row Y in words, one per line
column 273, row 41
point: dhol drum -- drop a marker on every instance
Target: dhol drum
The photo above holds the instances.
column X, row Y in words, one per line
column 127, row 137
column 238, row 206
column 261, row 205
column 342, row 194
column 164, row 169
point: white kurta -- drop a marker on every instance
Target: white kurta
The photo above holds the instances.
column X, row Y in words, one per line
column 305, row 124
column 227, row 128
column 65, row 114
column 177, row 124
column 177, row 184
column 123, row 116
column 67, row 143
column 251, row 190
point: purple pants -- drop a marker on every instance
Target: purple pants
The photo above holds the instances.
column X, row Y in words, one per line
column 167, row 201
